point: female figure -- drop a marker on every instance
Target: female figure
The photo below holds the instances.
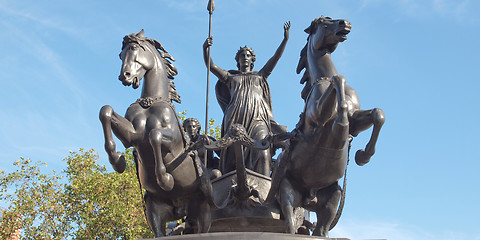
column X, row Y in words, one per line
column 244, row 97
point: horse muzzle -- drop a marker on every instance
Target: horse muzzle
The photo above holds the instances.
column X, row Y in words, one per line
column 127, row 81
column 344, row 28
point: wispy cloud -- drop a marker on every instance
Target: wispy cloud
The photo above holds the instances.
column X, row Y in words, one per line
column 356, row 229
column 377, row 230
column 49, row 98
column 188, row 5
column 367, row 3
column 60, row 18
column 36, row 42
column 52, row 63
column 457, row 10
column 201, row 5
column 439, row 5
column 7, row 8
column 27, row 133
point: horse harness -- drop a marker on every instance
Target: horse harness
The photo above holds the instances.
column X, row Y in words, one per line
column 147, row 102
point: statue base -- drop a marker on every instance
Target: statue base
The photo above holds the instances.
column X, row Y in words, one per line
column 245, row 235
column 248, row 215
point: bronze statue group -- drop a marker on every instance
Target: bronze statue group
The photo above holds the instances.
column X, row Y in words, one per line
column 314, row 155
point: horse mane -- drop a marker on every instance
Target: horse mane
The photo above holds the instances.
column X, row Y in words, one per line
column 165, row 57
column 302, row 63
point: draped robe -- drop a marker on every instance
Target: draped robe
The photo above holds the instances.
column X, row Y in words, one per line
column 245, row 99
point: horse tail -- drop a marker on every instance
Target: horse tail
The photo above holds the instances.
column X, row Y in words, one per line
column 278, row 175
column 207, row 188
column 205, row 182
column 342, row 197
column 341, row 204
column 135, row 160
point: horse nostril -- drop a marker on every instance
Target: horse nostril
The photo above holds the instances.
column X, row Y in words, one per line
column 127, row 74
column 342, row 23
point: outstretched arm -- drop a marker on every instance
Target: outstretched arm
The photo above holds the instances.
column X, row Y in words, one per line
column 217, row 71
column 270, row 65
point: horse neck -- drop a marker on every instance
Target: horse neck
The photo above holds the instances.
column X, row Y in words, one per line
column 320, row 64
column 156, row 83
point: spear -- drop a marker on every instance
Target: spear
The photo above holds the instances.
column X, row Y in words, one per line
column 210, row 8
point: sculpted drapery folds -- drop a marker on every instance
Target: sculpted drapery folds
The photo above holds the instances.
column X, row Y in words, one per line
column 244, row 96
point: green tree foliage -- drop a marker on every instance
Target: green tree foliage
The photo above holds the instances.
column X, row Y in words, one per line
column 104, row 205
column 214, row 131
column 182, row 115
column 35, row 203
column 84, row 202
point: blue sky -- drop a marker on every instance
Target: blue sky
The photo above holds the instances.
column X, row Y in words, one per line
column 417, row 60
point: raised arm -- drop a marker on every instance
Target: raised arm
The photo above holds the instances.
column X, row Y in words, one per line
column 272, row 62
column 217, row 71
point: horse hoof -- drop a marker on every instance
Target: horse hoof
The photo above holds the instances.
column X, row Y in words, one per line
column 165, row 182
column 214, row 173
column 118, row 162
column 362, row 157
column 310, row 202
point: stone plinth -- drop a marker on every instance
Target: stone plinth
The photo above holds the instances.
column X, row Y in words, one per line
column 244, row 236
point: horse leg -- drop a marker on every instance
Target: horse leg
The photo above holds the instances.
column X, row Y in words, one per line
column 278, row 174
column 164, row 179
column 326, row 208
column 122, row 128
column 158, row 212
column 324, row 106
column 340, row 127
column 199, row 212
column 362, row 120
column 288, row 199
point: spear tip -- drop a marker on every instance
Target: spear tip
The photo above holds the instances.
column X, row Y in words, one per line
column 210, row 6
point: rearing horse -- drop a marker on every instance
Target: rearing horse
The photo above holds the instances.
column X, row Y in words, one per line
column 309, row 169
column 172, row 178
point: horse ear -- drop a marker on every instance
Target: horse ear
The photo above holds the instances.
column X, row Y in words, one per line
column 141, row 33
column 311, row 29
column 307, row 30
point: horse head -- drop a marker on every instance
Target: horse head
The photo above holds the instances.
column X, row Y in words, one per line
column 325, row 33
column 135, row 59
